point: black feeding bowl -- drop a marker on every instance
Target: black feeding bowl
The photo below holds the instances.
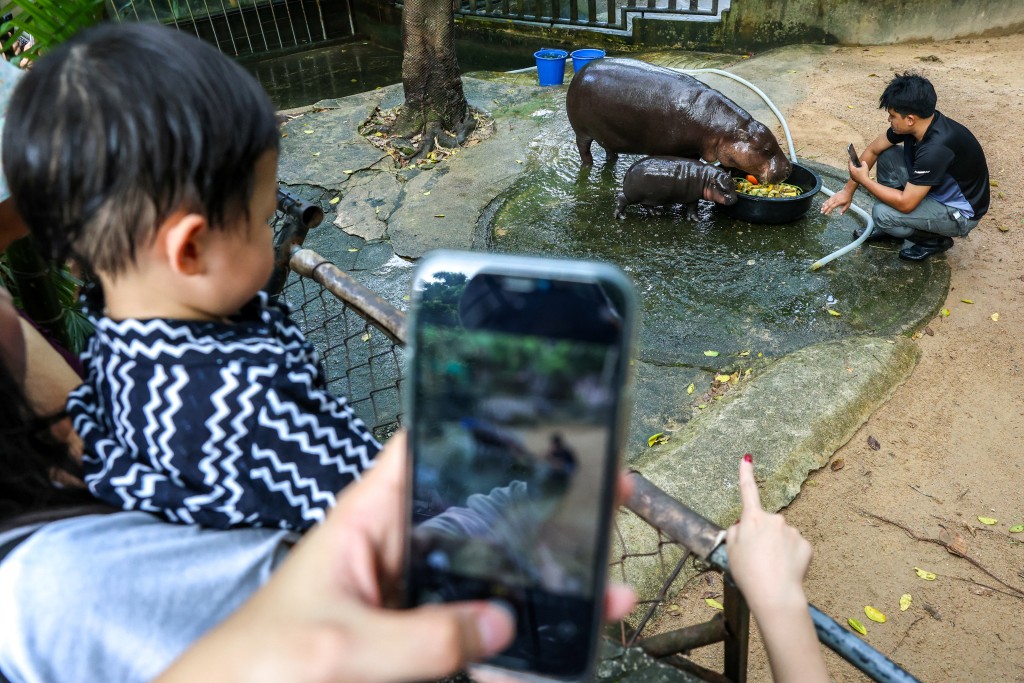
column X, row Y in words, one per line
column 777, row 209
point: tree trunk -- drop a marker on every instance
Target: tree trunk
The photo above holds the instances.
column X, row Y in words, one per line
column 435, row 104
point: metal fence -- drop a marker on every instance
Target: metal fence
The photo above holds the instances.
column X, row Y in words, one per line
column 244, row 27
column 610, row 15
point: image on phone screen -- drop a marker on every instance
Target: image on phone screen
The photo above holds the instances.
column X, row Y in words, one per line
column 517, row 381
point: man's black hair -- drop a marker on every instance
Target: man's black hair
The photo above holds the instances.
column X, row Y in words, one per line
column 909, row 93
column 115, row 130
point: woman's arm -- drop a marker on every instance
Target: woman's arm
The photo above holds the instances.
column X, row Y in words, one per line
column 768, row 560
column 48, row 380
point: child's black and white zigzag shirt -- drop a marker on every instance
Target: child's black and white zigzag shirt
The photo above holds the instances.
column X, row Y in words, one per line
column 217, row 424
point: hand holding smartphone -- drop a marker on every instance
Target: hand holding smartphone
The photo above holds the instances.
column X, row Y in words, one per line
column 854, row 159
column 517, row 407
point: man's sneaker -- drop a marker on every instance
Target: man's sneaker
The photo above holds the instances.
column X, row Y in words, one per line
column 923, row 248
column 876, row 236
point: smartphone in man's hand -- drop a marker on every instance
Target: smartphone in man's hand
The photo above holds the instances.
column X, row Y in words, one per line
column 853, row 155
column 517, row 403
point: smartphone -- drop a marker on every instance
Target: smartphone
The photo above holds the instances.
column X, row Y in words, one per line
column 517, row 401
column 853, row 155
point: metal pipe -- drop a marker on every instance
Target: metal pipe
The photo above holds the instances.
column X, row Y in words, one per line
column 227, row 22
column 195, row 26
column 245, row 27
column 288, row 11
column 259, row 22
column 685, row 639
column 323, row 27
column 680, row 523
column 366, row 303
column 209, row 17
column 305, row 19
column 277, row 28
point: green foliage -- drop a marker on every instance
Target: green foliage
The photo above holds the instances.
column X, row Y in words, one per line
column 49, row 22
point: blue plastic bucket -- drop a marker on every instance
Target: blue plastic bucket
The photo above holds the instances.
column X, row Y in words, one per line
column 551, row 66
column 581, row 58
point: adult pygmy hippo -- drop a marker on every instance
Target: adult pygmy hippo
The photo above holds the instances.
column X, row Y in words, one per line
column 661, row 181
column 632, row 107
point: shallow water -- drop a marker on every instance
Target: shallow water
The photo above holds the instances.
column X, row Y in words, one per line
column 716, row 284
column 302, row 78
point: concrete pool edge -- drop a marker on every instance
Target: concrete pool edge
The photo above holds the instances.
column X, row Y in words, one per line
column 792, row 418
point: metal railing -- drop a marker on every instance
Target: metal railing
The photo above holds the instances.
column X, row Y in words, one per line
column 610, row 15
column 238, row 27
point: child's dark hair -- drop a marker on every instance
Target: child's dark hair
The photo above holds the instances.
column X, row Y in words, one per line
column 115, row 130
column 909, row 93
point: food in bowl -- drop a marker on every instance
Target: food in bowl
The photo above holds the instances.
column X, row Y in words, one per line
column 773, row 190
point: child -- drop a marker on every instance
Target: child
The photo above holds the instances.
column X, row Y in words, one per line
column 151, row 159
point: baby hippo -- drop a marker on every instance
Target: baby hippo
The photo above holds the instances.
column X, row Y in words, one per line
column 663, row 181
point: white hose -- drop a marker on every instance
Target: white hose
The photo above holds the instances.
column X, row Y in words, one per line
column 792, row 155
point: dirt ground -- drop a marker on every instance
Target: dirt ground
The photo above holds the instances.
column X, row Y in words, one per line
column 950, row 441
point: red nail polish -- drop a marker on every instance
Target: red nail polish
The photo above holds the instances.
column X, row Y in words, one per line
column 748, row 458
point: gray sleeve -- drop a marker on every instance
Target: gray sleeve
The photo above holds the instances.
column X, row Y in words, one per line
column 118, row 597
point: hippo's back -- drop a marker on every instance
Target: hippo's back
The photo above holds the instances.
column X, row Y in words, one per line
column 633, row 107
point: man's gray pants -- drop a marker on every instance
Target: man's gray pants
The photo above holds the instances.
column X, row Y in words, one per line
column 929, row 216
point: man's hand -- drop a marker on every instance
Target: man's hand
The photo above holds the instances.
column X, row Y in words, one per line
column 858, row 174
column 840, row 200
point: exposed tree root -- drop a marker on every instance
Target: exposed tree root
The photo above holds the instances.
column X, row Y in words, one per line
column 953, row 550
column 423, row 145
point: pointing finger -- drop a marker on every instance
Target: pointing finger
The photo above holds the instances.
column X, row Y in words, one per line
column 748, row 488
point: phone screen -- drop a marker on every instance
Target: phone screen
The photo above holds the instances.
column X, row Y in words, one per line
column 517, row 384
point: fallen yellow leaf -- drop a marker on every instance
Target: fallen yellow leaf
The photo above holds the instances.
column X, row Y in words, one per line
column 690, row 389
column 711, row 602
column 944, row 312
column 712, row 354
column 926, row 575
column 722, row 378
column 743, row 353
column 347, row 172
column 857, row 626
column 366, row 337
column 335, row 200
column 874, row 615
column 438, row 215
column 995, row 317
column 427, row 193
column 353, row 249
column 905, row 602
column 1017, row 528
column 833, row 312
column 987, row 520
column 316, row 154
column 967, row 301
column 657, row 438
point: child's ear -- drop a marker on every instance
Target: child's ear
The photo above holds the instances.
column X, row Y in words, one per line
column 184, row 235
